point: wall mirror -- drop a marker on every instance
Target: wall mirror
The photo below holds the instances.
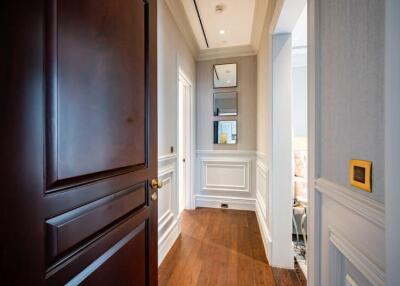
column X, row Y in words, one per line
column 225, row 132
column 225, row 103
column 225, row 75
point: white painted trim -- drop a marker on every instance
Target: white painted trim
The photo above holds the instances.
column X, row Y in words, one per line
column 191, row 157
column 349, row 281
column 371, row 210
column 362, row 262
column 167, row 169
column 168, row 239
column 392, row 140
column 275, row 15
column 314, row 203
column 228, row 52
column 178, row 13
column 260, row 13
column 249, row 153
column 245, row 165
column 167, row 158
column 165, row 219
column 265, row 235
column 233, row 202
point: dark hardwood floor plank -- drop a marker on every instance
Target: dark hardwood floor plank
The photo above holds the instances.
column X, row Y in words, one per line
column 220, row 247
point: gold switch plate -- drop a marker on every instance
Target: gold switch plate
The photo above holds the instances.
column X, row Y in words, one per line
column 361, row 174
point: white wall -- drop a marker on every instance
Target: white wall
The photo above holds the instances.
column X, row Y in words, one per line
column 264, row 131
column 349, row 223
column 173, row 52
column 299, row 120
column 392, row 140
column 281, row 171
column 226, row 173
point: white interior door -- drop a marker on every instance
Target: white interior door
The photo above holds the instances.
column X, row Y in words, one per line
column 184, row 141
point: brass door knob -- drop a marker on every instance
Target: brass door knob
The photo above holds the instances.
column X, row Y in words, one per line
column 154, row 196
column 156, row 184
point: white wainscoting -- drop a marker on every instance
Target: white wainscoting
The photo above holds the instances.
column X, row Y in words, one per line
column 352, row 230
column 263, row 202
column 225, row 177
column 168, row 220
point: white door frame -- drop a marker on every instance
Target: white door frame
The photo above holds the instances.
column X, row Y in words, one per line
column 284, row 20
column 190, row 149
column 314, row 200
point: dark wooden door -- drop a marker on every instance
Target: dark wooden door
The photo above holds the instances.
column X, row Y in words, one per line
column 78, row 142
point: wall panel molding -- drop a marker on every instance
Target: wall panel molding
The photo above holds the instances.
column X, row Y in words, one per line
column 360, row 260
column 220, row 175
column 168, row 222
column 371, row 210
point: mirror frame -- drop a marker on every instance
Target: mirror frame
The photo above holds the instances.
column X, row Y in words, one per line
column 216, row 122
column 225, row 92
column 237, row 77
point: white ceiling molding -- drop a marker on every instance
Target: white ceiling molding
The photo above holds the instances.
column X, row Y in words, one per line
column 228, row 52
column 178, row 13
column 288, row 16
column 260, row 12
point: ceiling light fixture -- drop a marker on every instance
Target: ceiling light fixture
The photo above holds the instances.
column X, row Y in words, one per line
column 222, row 32
column 219, row 8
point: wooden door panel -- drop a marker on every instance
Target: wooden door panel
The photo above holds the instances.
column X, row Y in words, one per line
column 66, row 231
column 97, row 110
column 84, row 262
column 80, row 146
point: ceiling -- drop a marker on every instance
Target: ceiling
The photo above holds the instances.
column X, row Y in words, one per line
column 230, row 28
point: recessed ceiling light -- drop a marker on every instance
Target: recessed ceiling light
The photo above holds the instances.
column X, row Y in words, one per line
column 219, row 8
column 222, row 32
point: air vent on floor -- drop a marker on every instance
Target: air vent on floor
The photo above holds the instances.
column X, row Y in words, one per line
column 224, row 206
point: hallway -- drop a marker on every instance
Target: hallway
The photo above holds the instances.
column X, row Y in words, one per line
column 220, row 247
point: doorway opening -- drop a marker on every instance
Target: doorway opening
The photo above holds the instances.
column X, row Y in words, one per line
column 299, row 141
column 290, row 136
column 185, row 141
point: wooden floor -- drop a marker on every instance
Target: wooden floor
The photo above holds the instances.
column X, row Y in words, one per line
column 220, row 247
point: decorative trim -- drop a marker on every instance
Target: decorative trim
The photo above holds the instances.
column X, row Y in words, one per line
column 233, row 202
column 244, row 165
column 264, row 169
column 372, row 210
column 260, row 13
column 227, row 52
column 265, row 235
column 261, row 205
column 179, row 15
column 362, row 262
column 226, row 153
column 167, row 240
column 167, row 158
column 165, row 219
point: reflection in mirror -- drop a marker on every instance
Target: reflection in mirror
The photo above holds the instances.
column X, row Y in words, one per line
column 225, row 132
column 225, row 75
column 225, row 103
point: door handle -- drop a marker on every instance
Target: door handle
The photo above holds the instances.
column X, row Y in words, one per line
column 156, row 184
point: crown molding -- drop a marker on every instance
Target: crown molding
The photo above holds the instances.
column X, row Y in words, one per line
column 228, row 52
column 178, row 13
column 259, row 18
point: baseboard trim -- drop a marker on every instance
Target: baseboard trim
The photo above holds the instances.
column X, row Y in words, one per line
column 168, row 239
column 233, row 202
column 266, row 238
